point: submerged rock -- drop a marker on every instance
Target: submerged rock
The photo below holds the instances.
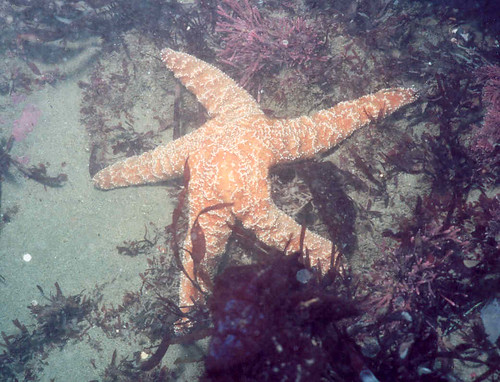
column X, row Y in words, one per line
column 490, row 315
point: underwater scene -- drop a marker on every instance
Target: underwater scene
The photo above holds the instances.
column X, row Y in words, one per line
column 249, row 190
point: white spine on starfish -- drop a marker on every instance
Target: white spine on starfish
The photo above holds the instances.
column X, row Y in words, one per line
column 214, row 89
column 164, row 162
column 276, row 229
column 306, row 136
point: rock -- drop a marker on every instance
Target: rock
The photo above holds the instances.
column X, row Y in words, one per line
column 490, row 315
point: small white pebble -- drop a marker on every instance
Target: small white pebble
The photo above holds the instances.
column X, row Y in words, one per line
column 27, row 257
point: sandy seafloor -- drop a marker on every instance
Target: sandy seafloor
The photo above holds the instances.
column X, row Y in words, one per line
column 71, row 232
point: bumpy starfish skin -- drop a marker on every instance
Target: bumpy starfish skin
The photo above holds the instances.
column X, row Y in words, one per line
column 230, row 155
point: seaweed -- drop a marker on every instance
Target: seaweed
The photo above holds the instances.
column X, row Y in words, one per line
column 485, row 143
column 60, row 320
column 126, row 370
column 36, row 173
column 36, row 23
column 277, row 321
column 20, row 348
column 39, row 174
column 325, row 182
column 252, row 41
column 136, row 247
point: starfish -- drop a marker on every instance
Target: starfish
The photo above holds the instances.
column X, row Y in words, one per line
column 229, row 158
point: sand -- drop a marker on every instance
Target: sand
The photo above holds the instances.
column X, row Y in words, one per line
column 70, row 232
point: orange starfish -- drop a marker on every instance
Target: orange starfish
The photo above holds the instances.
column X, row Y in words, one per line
column 229, row 159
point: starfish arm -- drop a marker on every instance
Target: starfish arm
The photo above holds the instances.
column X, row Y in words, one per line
column 164, row 162
column 216, row 91
column 216, row 232
column 306, row 136
column 276, row 229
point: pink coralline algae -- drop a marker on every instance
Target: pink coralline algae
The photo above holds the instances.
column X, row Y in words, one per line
column 488, row 135
column 17, row 98
column 485, row 143
column 25, row 124
column 252, row 42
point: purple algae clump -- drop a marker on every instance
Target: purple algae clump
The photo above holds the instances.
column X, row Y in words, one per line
column 26, row 122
